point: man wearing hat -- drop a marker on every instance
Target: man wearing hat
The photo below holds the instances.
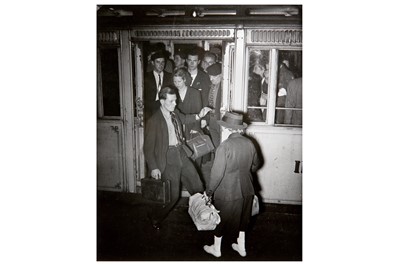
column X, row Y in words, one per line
column 153, row 82
column 231, row 183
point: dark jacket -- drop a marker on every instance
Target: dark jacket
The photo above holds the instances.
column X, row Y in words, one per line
column 231, row 177
column 191, row 105
column 156, row 139
column 150, row 92
column 202, row 83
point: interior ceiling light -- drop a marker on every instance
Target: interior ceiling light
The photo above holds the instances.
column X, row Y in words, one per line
column 202, row 13
column 283, row 11
column 165, row 13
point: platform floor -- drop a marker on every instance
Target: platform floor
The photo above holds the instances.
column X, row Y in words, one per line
column 125, row 234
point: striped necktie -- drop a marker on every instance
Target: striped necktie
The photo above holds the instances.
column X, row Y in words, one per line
column 178, row 131
column 158, row 86
column 159, row 82
column 211, row 102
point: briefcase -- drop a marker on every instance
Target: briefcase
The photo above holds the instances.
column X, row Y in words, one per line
column 200, row 146
column 156, row 190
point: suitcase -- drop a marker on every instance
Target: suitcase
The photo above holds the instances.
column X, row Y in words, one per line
column 156, row 190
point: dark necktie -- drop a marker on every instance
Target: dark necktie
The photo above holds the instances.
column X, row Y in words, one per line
column 178, row 131
column 159, row 82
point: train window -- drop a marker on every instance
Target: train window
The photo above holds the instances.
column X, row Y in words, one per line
column 108, row 82
column 258, row 76
column 288, row 108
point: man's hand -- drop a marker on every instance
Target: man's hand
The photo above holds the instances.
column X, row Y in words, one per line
column 203, row 123
column 204, row 111
column 156, row 174
column 207, row 198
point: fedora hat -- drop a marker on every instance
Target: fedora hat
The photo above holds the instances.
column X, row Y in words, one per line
column 232, row 120
column 158, row 54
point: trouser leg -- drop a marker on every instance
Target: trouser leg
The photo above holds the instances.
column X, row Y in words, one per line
column 172, row 173
column 189, row 176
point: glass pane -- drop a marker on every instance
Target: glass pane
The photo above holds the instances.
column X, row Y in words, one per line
column 110, row 81
column 289, row 90
column 258, row 78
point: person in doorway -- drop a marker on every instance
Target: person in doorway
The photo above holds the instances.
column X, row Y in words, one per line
column 189, row 101
column 179, row 60
column 208, row 59
column 231, row 184
column 199, row 79
column 153, row 82
column 164, row 152
column 214, row 102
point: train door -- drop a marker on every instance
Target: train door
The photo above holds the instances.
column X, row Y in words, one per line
column 115, row 136
column 144, row 41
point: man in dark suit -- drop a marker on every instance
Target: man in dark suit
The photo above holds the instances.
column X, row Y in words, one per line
column 285, row 75
column 231, row 183
column 294, row 100
column 165, row 155
column 153, row 82
column 199, row 79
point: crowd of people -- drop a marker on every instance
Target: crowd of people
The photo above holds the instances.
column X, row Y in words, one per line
column 183, row 103
column 289, row 94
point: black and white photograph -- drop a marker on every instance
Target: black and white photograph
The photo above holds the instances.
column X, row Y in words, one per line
column 199, row 132
column 149, row 132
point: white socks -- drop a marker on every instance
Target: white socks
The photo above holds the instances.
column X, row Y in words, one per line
column 239, row 247
column 214, row 249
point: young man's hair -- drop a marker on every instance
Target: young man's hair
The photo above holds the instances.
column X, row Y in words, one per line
column 162, row 95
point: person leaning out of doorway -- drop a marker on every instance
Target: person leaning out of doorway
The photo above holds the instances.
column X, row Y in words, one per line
column 231, row 184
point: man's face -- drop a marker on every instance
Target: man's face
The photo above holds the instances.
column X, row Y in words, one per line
column 207, row 61
column 158, row 64
column 169, row 103
column 259, row 70
column 192, row 61
column 179, row 62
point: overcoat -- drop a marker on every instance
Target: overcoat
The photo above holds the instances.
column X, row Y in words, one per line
column 231, row 174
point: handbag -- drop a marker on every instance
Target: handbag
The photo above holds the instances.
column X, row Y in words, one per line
column 200, row 145
column 256, row 206
column 158, row 191
column 204, row 216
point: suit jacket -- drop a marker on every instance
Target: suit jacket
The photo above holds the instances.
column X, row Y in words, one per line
column 294, row 99
column 150, row 92
column 156, row 139
column 231, row 177
column 191, row 105
column 202, row 83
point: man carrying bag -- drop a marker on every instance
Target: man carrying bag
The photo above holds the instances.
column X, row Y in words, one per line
column 164, row 153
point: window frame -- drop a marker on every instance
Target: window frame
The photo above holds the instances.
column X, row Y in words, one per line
column 273, row 84
column 100, row 103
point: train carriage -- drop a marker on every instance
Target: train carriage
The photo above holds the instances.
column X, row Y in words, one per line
column 257, row 45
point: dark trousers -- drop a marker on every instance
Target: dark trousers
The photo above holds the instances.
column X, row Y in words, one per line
column 179, row 169
column 235, row 216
